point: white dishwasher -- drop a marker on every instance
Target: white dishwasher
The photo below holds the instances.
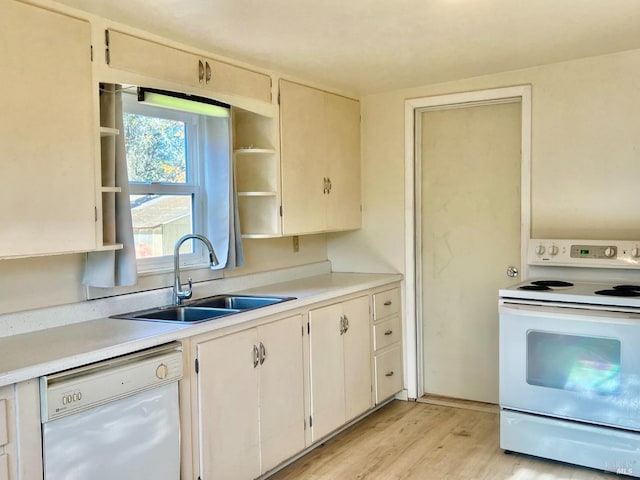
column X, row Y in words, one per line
column 116, row 419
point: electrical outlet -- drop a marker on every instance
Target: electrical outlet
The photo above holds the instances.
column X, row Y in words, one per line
column 296, row 244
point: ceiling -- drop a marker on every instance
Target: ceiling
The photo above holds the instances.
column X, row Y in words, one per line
column 370, row 46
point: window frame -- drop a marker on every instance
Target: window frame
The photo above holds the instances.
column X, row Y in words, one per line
column 193, row 186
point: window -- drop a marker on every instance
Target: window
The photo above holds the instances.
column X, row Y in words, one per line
column 573, row 362
column 166, row 158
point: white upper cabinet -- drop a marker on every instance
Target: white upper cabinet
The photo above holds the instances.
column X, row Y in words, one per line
column 47, row 133
column 320, row 160
column 133, row 54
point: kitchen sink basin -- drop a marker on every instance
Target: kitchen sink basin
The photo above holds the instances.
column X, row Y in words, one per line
column 204, row 309
column 181, row 314
column 239, row 302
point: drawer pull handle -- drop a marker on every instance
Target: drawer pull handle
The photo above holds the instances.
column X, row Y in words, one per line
column 387, row 303
column 389, row 374
column 388, row 332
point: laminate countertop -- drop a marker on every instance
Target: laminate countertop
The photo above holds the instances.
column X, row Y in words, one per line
column 30, row 355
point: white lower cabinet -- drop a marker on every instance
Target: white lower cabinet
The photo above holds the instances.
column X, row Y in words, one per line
column 387, row 343
column 388, row 373
column 250, row 400
column 340, row 364
column 20, row 439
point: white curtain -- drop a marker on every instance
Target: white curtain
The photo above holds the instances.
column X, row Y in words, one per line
column 223, row 225
column 113, row 268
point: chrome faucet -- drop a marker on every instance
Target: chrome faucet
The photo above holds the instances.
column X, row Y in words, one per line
column 178, row 294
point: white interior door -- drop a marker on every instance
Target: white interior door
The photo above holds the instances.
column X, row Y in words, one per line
column 470, row 234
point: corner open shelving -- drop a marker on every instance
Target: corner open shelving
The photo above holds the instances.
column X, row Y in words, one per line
column 257, row 172
column 106, row 208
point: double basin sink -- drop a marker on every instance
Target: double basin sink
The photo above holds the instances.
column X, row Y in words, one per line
column 204, row 309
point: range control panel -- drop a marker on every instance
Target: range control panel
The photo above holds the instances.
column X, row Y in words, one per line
column 584, row 253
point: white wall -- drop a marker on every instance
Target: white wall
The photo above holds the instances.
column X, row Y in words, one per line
column 585, row 157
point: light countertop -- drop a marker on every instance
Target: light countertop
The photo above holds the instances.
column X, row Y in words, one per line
column 30, row 355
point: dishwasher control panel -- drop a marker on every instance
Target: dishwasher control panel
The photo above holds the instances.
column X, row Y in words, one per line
column 86, row 387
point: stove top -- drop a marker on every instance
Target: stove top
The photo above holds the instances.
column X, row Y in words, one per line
column 607, row 294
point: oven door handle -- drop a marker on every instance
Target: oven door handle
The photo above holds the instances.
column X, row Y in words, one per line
column 594, row 313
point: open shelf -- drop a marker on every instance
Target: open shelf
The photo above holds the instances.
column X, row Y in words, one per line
column 256, row 162
column 257, row 194
column 253, row 151
column 109, row 132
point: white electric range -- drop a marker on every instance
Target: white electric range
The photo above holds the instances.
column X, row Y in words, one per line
column 570, row 365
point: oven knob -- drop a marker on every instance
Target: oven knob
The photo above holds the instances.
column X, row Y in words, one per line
column 162, row 371
column 635, row 252
column 540, row 249
column 609, row 252
column 553, row 250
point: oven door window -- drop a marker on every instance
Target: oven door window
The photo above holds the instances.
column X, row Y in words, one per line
column 574, row 363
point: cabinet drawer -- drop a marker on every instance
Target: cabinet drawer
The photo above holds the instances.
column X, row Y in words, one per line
column 386, row 303
column 388, row 367
column 386, row 333
column 4, row 467
column 4, row 438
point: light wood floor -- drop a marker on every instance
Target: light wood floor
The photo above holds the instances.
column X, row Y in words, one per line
column 410, row 440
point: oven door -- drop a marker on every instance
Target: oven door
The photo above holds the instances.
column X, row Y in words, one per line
column 572, row 363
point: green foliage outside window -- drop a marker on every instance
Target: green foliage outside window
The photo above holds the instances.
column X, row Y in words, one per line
column 156, row 149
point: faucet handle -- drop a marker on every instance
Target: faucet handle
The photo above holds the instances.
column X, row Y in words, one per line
column 189, row 291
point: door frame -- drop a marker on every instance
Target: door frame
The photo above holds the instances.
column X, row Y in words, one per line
column 413, row 235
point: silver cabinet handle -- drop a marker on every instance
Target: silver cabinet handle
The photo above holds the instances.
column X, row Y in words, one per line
column 329, row 183
column 387, row 303
column 263, row 353
column 256, row 356
column 325, row 183
column 346, row 324
column 388, row 332
column 342, row 329
column 207, row 77
column 389, row 374
column 200, row 71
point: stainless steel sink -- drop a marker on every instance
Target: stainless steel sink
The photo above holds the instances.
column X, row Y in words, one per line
column 239, row 302
column 204, row 309
column 181, row 314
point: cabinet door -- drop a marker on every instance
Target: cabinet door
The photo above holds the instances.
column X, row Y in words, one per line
column 342, row 150
column 47, row 199
column 327, row 370
column 227, row 78
column 320, row 144
column 281, row 391
column 357, row 357
column 228, row 407
column 303, row 159
column 137, row 55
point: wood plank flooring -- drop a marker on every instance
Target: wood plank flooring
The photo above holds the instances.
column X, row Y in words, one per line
column 418, row 441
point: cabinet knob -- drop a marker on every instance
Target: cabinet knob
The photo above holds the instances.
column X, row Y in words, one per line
column 387, row 303
column 389, row 374
column 388, row 332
